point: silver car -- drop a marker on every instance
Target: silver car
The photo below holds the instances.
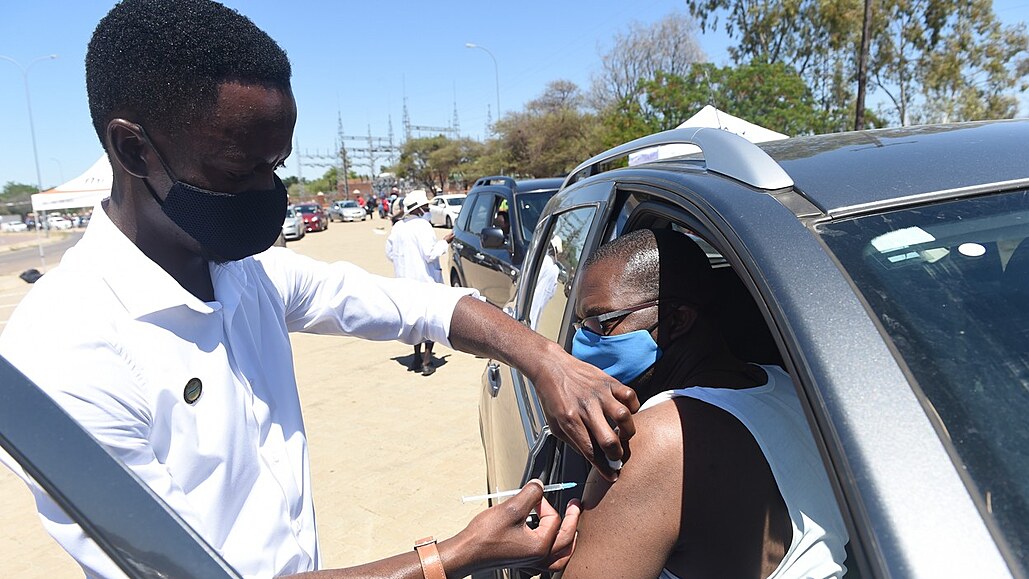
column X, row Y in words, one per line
column 887, row 271
column 293, row 224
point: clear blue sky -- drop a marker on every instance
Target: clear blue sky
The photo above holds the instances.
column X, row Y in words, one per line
column 357, row 58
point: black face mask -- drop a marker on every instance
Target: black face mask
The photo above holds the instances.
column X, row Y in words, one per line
column 228, row 226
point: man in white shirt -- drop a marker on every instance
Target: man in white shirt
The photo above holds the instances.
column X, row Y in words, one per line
column 179, row 362
column 414, row 250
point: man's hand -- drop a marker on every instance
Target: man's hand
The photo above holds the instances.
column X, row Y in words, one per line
column 449, row 237
column 503, row 535
column 583, row 405
column 586, row 408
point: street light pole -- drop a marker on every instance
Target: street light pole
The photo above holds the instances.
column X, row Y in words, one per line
column 32, row 128
column 496, row 71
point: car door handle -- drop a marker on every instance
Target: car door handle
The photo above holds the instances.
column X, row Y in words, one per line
column 479, row 256
column 493, row 378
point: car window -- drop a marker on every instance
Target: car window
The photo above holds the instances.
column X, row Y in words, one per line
column 530, row 207
column 949, row 284
column 466, row 213
column 560, row 261
column 481, row 214
column 456, row 201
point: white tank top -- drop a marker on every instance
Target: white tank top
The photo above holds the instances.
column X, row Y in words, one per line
column 773, row 415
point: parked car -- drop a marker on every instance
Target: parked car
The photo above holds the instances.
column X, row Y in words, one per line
column 13, row 226
column 444, row 209
column 293, row 225
column 58, row 222
column 887, row 271
column 314, row 216
column 493, row 231
column 347, row 211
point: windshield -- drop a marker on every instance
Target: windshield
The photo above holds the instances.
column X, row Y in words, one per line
column 455, row 201
column 950, row 285
column 290, row 212
column 350, row 204
column 307, row 209
column 530, row 206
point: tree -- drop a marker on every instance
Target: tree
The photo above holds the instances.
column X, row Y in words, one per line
column 935, row 60
column 416, row 161
column 550, row 137
column 770, row 95
column 16, row 197
column 670, row 45
column 947, row 60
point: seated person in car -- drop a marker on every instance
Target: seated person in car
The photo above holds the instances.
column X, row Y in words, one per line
column 723, row 478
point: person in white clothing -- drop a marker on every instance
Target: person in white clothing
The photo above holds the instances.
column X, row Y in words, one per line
column 724, row 479
column 414, row 250
column 179, row 361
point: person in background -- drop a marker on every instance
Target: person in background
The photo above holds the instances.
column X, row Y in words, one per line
column 414, row 250
column 180, row 363
column 724, row 478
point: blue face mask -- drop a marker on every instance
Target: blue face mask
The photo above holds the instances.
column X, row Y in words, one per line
column 624, row 357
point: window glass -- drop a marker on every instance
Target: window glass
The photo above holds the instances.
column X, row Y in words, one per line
column 480, row 215
column 530, row 206
column 556, row 271
column 456, row 201
column 949, row 283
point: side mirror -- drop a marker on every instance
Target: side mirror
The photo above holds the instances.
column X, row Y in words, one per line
column 492, row 238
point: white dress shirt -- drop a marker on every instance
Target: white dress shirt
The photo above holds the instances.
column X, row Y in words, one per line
column 114, row 340
column 414, row 250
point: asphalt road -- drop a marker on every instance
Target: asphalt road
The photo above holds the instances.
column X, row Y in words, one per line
column 23, row 253
column 391, row 451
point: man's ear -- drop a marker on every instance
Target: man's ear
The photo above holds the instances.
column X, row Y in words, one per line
column 127, row 145
column 683, row 318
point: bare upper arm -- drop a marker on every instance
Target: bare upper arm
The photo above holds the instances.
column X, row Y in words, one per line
column 629, row 528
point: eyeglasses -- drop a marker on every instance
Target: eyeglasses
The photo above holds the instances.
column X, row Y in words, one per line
column 600, row 325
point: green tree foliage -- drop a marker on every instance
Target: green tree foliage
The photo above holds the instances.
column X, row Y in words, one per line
column 416, row 161
column 934, row 60
column 16, row 197
column 550, row 137
column 952, row 60
column 771, row 95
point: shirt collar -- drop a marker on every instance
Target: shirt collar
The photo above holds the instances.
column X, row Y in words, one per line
column 141, row 285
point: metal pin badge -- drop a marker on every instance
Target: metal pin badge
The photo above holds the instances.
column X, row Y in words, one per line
column 193, row 390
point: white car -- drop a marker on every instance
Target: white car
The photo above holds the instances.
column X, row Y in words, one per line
column 347, row 211
column 443, row 209
column 13, row 226
column 293, row 225
column 58, row 223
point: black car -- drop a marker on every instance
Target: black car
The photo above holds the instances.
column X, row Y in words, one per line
column 493, row 231
column 886, row 271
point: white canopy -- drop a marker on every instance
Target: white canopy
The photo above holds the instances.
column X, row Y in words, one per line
column 82, row 191
column 711, row 117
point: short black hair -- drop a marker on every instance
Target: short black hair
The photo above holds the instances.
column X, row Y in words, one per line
column 661, row 263
column 162, row 61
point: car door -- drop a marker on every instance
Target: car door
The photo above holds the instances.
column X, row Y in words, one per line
column 518, row 443
column 466, row 240
column 499, row 273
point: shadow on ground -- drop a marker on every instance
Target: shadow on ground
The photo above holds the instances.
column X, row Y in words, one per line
column 406, row 361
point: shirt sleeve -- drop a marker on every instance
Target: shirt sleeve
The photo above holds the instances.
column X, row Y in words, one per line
column 343, row 299
column 96, row 385
column 430, row 247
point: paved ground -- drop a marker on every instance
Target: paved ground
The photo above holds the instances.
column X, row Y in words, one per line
column 391, row 452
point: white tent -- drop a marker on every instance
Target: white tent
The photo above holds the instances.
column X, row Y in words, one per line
column 82, row 191
column 711, row 117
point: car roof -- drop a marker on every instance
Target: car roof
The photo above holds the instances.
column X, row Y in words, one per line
column 872, row 168
column 518, row 186
column 852, row 172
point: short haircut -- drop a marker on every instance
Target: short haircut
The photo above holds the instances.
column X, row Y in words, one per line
column 661, row 264
column 161, row 61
